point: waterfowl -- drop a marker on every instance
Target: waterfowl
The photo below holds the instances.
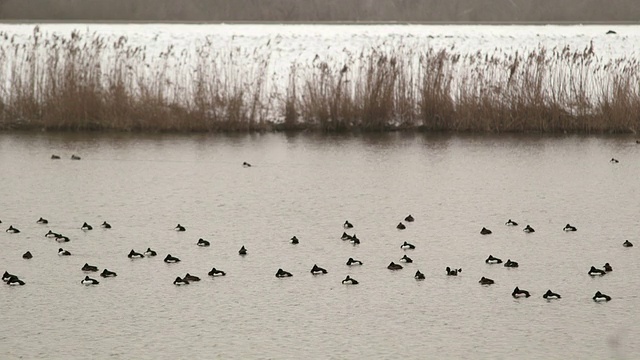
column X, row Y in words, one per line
column 315, row 270
column 88, row 267
column 511, row 264
column 89, row 281
column 134, row 255
column 179, row 281
column 61, row 238
column 13, row 281
column 551, row 295
column 607, row 267
column 614, row 160
column 569, row 228
column 62, row 252
column 596, row 272
column 349, row 281
column 611, row 32
column 485, row 231
column 601, row 297
column 12, row 230
column 452, row 272
column 345, row 236
column 294, row 240
column 627, row 243
column 75, row 157
column 407, row 246
column 354, row 240
column 418, row 275
column 394, row 266
column 409, row 218
column 406, row 259
column 27, row 255
column 171, row 259
column 42, row 221
column 105, row 225
column 528, row 229
column 86, row 226
column 520, row 293
column 493, row 260
column 486, row 281
column 6, row 276
column 51, row 234
column 246, row 164
column 216, row 272
column 150, row 252
column 281, row 274
column 347, row 225
column 106, row 273
column 180, row 228
column 352, row 261
column 511, row 223
column 202, row 242
column 242, row 251
column 55, row 157
column 401, row 226
column 188, row 277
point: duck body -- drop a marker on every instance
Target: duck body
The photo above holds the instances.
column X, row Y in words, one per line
column 89, row 281
column 86, row 226
column 282, row 274
column 409, row 218
column 105, row 225
column 350, row 281
column 353, row 261
column 203, row 243
column 27, row 255
column 596, row 272
column 551, row 295
column 485, row 231
column 601, row 297
column 511, row 264
column 150, row 252
column 178, row 281
column 190, row 278
column 528, row 229
column 180, row 228
column 62, row 252
column 486, row 281
column 347, row 225
column 316, row 270
column 242, row 251
column 511, row 223
column 14, row 281
column 407, row 246
column 627, row 243
column 401, row 226
column 134, row 255
column 42, row 221
column 520, row 293
column 452, row 272
column 89, row 268
column 394, row 266
column 12, row 230
column 171, row 259
column 568, row 228
column 106, row 273
column 493, row 260
column 216, row 272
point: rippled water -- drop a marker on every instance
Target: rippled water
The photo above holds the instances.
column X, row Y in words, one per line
column 308, row 185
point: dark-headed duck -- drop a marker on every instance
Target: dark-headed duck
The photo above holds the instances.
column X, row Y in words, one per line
column 349, row 281
column 452, row 272
column 12, row 230
column 419, row 275
column 294, row 240
column 520, row 293
column 75, row 157
column 89, row 281
column 493, row 260
column 315, row 270
column 551, row 295
column 409, row 218
column 607, row 267
column 55, row 157
column 568, row 227
column 203, row 243
column 42, row 221
column 400, row 226
column 106, row 273
column 511, row 264
column 180, row 228
column 179, row 281
column 601, row 297
column 246, row 164
column 105, row 225
column 394, row 266
column 528, row 229
column 90, row 268
column 63, row 252
column 150, row 252
column 406, row 259
column 242, row 251
column 347, row 225
column 61, row 238
column 345, row 236
column 352, row 261
column 596, row 272
column 134, row 255
column 407, row 246
column 485, row 231
column 486, row 281
column 511, row 223
column 171, row 259
column 216, row 272
column 281, row 274
column 27, row 255
column 627, row 243
column 191, row 278
column 13, row 280
column 86, row 226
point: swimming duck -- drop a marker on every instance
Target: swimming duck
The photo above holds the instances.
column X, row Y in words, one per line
column 315, row 270
column 180, row 228
column 134, row 255
column 12, row 230
column 150, row 252
column 188, row 277
column 528, row 229
column 596, row 272
column 171, row 259
column 42, row 221
column 347, row 225
column 418, row 275
column 216, row 272
column 88, row 267
column 242, row 251
column 352, row 261
column 601, row 297
column 62, row 252
column 27, row 255
column 607, row 267
column 13, row 281
column 519, row 293
column 486, row 281
column 61, row 238
column 75, row 157
column 452, row 272
column 106, row 273
column 86, row 226
column 401, row 226
column 51, row 234
column 551, row 295
column 394, row 266
column 407, row 246
column 349, row 281
column 179, row 281
column 294, row 240
column 281, row 273
column 406, row 259
column 345, row 236
column 354, row 240
column 6, row 276
column 246, row 164
column 55, row 157
column 627, row 243
column 409, row 218
column 485, row 231
column 493, row 260
column 511, row 264
column 202, row 242
column 511, row 223
column 89, row 281
column 569, row 228
column 614, row 160
column 105, row 225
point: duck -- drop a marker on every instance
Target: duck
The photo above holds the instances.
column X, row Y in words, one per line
column 511, row 223
column 171, row 259
column 281, row 274
column 86, row 226
column 179, row 281
column 614, row 161
column 347, row 225
column 406, row 259
column 409, row 218
column 150, row 252
column 354, row 240
column 88, row 267
column 242, row 251
column 180, row 228
column 452, row 272
column 493, row 260
column 42, row 221
column 246, row 164
column 418, row 275
column 61, row 238
column 485, row 231
column 394, row 266
column 134, row 255
column 89, row 281
column 607, row 267
column 596, row 272
column 407, row 246
column 216, row 272
column 601, row 297
column 345, row 236
column 511, row 264
column 294, row 240
column 203, row 243
column 188, row 277
column 75, row 157
column 51, row 234
column 400, row 226
column 106, row 273
column 55, row 157
column 316, row 270
column 105, row 225
column 528, row 229
column 13, row 281
column 6, row 276
column 520, row 293
column 611, row 32
column 486, row 281
column 62, row 252
column 12, row 230
column 627, row 243
column 551, row 295
column 568, row 227
column 350, row 281
column 352, row 262
column 27, row 255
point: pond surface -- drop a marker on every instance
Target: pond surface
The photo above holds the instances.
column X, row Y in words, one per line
column 307, row 186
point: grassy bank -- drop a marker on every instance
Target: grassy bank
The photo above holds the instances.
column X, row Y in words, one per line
column 84, row 82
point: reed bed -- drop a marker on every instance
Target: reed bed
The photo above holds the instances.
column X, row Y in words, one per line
column 87, row 82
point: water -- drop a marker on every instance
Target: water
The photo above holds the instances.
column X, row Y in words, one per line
column 308, row 185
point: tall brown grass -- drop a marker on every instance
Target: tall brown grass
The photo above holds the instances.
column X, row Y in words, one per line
column 88, row 82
